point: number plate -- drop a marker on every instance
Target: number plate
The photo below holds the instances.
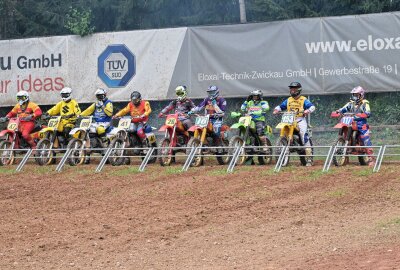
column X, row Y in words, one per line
column 245, row 120
column 124, row 123
column 12, row 126
column 85, row 123
column 347, row 120
column 202, row 121
column 53, row 122
column 151, row 138
column 171, row 120
column 287, row 118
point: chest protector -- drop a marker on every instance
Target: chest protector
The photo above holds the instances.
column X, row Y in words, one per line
column 99, row 113
column 296, row 105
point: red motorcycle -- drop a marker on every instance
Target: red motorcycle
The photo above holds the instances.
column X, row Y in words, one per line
column 175, row 136
column 349, row 136
column 14, row 140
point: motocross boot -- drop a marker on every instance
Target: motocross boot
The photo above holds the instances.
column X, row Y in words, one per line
column 371, row 159
column 309, row 157
column 87, row 159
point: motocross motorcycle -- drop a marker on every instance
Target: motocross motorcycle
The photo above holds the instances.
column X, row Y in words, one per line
column 50, row 141
column 13, row 140
column 123, row 137
column 247, row 136
column 203, row 136
column 175, row 136
column 84, row 140
column 290, row 136
column 348, row 136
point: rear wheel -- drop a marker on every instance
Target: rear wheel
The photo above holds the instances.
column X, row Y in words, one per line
column 235, row 142
column 339, row 157
column 198, row 159
column 6, row 154
column 117, row 153
column 281, row 143
column 166, row 153
column 267, row 151
column 77, row 155
column 44, row 155
column 153, row 157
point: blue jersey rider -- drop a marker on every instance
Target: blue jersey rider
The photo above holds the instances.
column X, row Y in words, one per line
column 303, row 107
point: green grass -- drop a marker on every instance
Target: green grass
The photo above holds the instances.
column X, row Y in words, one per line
column 363, row 172
column 217, row 172
column 395, row 222
column 125, row 171
column 171, row 170
column 7, row 170
column 336, row 193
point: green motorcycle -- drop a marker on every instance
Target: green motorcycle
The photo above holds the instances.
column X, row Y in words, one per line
column 247, row 136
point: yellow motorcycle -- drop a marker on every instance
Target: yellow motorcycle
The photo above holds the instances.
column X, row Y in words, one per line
column 290, row 136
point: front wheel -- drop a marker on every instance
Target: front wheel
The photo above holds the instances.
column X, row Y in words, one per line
column 235, row 142
column 267, row 151
column 198, row 159
column 7, row 155
column 340, row 158
column 166, row 153
column 281, row 143
column 222, row 156
column 77, row 155
column 44, row 155
column 117, row 153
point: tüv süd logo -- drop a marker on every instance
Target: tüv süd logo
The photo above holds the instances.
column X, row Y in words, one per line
column 116, row 65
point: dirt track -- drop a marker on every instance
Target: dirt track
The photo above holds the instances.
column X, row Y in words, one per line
column 200, row 219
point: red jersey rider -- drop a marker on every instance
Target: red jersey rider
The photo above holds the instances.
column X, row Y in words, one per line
column 27, row 111
column 139, row 110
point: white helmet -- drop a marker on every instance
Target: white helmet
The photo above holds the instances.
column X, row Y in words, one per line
column 101, row 94
column 22, row 97
column 66, row 93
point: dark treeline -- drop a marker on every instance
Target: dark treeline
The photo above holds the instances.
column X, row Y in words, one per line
column 32, row 18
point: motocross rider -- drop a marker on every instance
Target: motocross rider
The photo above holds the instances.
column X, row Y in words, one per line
column 303, row 107
column 139, row 110
column 257, row 108
column 214, row 106
column 27, row 111
column 182, row 105
column 360, row 106
column 69, row 110
column 102, row 111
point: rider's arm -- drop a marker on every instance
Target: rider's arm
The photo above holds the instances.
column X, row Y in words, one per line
column 55, row 110
column 201, row 106
column 124, row 111
column 89, row 110
column 109, row 109
column 264, row 106
column 147, row 108
column 13, row 112
column 308, row 106
column 367, row 109
column 282, row 106
column 345, row 108
column 169, row 107
column 37, row 112
column 243, row 108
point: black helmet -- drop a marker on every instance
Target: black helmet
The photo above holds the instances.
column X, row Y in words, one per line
column 136, row 97
column 296, row 86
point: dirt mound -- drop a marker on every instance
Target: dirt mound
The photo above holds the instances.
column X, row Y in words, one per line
column 254, row 218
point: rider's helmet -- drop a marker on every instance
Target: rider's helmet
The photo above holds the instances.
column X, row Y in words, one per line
column 136, row 97
column 22, row 97
column 66, row 94
column 213, row 92
column 357, row 94
column 257, row 95
column 295, row 89
column 181, row 92
column 101, row 94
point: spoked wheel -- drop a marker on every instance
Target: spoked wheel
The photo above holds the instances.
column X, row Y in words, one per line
column 363, row 159
column 267, row 151
column 281, row 143
column 222, row 157
column 153, row 157
column 6, row 154
column 166, row 153
column 44, row 155
column 339, row 157
column 198, row 159
column 234, row 142
column 77, row 155
column 117, row 155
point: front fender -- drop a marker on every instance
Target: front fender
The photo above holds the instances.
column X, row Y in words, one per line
column 238, row 126
column 282, row 126
column 164, row 128
column 5, row 132
column 194, row 128
column 45, row 130
column 340, row 125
